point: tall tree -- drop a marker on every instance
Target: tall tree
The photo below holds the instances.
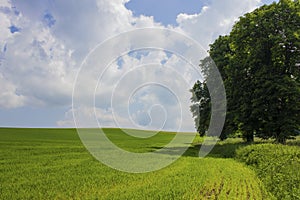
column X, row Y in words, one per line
column 201, row 102
column 260, row 64
column 266, row 55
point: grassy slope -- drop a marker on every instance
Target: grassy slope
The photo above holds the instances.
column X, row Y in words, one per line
column 53, row 164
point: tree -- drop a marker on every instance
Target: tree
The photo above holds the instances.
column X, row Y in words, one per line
column 201, row 102
column 259, row 62
column 201, row 107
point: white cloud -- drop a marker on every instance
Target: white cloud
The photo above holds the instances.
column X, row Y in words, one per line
column 215, row 19
column 40, row 65
column 8, row 96
column 40, row 61
column 141, row 82
column 90, row 117
column 4, row 31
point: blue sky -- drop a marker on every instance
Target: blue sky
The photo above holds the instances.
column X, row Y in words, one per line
column 43, row 43
column 165, row 11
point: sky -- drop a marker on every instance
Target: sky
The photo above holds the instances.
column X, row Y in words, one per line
column 44, row 43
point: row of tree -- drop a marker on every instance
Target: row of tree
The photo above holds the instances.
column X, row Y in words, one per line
column 259, row 62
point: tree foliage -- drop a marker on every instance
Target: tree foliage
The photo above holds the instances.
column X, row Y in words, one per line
column 260, row 64
column 201, row 107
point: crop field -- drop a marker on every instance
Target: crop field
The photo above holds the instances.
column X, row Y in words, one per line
column 54, row 164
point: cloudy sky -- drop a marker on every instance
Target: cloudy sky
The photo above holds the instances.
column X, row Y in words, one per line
column 43, row 44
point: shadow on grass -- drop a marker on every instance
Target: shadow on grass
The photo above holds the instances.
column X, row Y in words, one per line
column 223, row 149
column 226, row 150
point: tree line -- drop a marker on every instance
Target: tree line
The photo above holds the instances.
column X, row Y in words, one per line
column 259, row 62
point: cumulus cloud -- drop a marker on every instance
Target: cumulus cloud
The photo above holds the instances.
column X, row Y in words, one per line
column 214, row 19
column 43, row 44
column 149, row 87
column 8, row 94
column 91, row 117
column 35, row 61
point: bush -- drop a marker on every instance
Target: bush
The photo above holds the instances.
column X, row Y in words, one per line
column 278, row 166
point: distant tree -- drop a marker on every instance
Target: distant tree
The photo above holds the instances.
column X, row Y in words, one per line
column 201, row 102
column 201, row 107
column 260, row 65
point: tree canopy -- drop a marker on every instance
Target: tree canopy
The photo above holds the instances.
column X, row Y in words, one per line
column 259, row 62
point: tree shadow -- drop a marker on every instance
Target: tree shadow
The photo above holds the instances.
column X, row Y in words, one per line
column 223, row 149
column 220, row 150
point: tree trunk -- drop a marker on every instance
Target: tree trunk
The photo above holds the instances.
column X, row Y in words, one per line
column 281, row 140
column 249, row 137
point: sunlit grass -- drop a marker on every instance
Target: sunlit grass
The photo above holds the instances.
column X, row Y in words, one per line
column 53, row 164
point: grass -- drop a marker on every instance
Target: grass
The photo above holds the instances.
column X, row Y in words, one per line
column 53, row 164
column 277, row 165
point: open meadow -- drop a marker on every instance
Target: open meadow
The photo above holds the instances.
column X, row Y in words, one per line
column 53, row 164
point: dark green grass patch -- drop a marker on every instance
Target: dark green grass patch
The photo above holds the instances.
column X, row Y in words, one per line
column 278, row 166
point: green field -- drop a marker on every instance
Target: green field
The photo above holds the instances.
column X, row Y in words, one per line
column 53, row 164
